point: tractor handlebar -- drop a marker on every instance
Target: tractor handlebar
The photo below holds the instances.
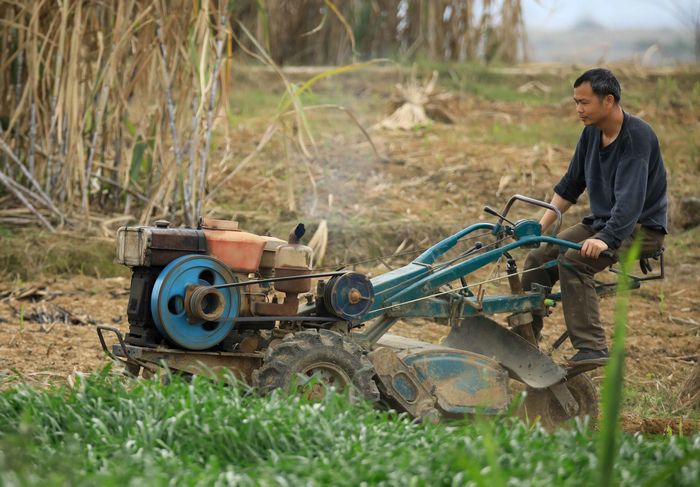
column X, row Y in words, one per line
column 531, row 201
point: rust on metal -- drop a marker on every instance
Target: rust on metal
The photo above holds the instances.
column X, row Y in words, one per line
column 210, row 364
column 203, row 303
column 249, row 344
column 354, row 296
column 398, row 382
column 301, row 285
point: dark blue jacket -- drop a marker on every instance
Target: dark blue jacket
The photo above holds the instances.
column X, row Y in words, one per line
column 626, row 180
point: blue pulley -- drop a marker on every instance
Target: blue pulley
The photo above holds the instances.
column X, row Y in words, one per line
column 186, row 309
column 349, row 296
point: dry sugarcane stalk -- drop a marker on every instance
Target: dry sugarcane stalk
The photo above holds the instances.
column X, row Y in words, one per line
column 18, row 91
column 85, row 205
column 46, row 200
column 63, row 152
column 54, row 95
column 7, row 181
column 4, row 156
column 212, row 101
column 171, row 115
column 126, row 190
column 189, row 187
column 32, row 138
column 104, row 131
column 117, row 150
column 26, row 191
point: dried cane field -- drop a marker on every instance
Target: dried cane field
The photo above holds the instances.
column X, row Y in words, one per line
column 366, row 189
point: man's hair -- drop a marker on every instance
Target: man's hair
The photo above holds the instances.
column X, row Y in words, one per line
column 603, row 83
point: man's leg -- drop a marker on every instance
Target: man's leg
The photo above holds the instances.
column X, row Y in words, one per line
column 548, row 277
column 579, row 298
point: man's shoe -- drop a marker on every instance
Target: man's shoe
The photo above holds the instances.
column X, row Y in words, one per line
column 586, row 356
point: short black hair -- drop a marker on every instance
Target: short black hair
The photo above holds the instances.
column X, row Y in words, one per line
column 603, row 83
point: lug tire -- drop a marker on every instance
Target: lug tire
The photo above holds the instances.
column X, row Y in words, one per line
column 329, row 357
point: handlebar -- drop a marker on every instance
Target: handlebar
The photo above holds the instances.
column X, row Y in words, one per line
column 532, row 201
column 535, row 202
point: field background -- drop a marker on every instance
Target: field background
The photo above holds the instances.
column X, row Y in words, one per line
column 514, row 131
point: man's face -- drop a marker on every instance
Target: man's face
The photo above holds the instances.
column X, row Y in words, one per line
column 589, row 108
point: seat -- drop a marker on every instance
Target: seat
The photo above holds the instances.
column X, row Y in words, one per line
column 645, row 266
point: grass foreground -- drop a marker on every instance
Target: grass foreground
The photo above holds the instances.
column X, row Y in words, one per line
column 109, row 430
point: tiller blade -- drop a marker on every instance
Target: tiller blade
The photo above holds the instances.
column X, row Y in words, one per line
column 524, row 362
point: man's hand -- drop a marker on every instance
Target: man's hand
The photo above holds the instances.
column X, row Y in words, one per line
column 592, row 248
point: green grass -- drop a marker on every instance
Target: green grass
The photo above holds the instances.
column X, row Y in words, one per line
column 110, row 431
column 546, row 130
column 252, row 102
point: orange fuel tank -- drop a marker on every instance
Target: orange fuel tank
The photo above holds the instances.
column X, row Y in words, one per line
column 239, row 250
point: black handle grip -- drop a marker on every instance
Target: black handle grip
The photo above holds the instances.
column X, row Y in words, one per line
column 493, row 212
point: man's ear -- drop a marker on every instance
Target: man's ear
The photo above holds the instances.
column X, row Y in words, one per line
column 609, row 101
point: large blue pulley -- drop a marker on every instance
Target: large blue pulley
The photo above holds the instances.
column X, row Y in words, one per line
column 349, row 296
column 187, row 310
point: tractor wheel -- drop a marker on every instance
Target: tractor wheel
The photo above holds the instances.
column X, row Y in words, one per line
column 543, row 403
column 314, row 360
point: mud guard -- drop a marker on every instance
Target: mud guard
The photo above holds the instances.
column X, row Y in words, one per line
column 523, row 361
column 424, row 378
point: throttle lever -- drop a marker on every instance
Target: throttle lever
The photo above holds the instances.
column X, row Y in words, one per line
column 493, row 212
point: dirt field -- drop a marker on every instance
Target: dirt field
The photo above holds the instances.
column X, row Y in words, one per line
column 661, row 347
column 431, row 182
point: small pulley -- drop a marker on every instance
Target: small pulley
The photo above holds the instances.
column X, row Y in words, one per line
column 187, row 310
column 349, row 296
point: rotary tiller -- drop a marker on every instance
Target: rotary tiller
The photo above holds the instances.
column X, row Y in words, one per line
column 213, row 298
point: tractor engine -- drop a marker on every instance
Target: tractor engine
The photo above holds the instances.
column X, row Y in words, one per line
column 181, row 287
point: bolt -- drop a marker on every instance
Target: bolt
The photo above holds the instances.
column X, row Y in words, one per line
column 354, row 296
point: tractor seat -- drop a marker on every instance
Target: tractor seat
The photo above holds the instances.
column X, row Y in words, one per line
column 645, row 266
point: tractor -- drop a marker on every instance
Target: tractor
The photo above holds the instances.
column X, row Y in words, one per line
column 216, row 298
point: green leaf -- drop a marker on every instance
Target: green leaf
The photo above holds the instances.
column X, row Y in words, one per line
column 137, row 159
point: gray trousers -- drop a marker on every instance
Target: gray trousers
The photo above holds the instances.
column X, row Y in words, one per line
column 578, row 296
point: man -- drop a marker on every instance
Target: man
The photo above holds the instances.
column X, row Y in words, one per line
column 619, row 162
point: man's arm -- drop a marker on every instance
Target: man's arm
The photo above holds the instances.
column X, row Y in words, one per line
column 591, row 248
column 550, row 216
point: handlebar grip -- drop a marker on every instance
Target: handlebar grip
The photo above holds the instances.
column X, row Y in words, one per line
column 607, row 253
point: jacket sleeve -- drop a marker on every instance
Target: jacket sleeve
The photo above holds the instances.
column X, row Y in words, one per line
column 573, row 183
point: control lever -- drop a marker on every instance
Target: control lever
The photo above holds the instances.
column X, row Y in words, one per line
column 493, row 212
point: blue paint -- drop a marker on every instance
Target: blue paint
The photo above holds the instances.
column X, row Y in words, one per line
column 168, row 298
column 420, row 280
column 468, row 373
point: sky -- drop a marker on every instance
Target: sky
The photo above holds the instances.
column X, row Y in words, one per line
column 611, row 14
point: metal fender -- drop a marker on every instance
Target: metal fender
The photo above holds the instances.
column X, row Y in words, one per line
column 458, row 381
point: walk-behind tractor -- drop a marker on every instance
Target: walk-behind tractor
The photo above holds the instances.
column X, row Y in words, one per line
column 213, row 298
